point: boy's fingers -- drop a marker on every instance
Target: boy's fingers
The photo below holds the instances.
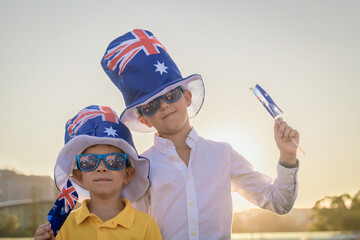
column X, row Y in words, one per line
column 293, row 133
column 277, row 126
column 43, row 237
column 52, row 235
column 287, row 131
column 41, row 231
column 282, row 127
column 278, row 122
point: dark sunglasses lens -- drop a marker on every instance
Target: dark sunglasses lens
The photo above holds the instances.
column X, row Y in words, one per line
column 172, row 95
column 150, row 108
column 87, row 162
column 115, row 161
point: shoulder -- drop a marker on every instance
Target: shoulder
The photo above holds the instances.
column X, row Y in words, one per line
column 145, row 226
column 68, row 225
column 142, row 217
column 77, row 215
column 143, row 222
column 213, row 144
column 149, row 152
column 71, row 218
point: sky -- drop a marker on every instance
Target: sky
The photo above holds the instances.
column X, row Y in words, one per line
column 305, row 54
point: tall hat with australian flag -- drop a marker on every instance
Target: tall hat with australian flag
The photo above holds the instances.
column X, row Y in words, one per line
column 142, row 69
column 95, row 125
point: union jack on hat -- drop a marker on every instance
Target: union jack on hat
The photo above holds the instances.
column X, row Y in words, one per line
column 99, row 125
column 142, row 69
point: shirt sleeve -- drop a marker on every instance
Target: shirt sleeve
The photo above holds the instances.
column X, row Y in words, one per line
column 277, row 196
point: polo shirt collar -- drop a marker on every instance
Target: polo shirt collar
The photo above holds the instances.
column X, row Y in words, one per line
column 125, row 218
column 83, row 212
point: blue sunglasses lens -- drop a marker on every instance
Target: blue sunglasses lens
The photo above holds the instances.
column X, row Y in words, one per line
column 149, row 108
column 113, row 161
column 170, row 97
column 87, row 162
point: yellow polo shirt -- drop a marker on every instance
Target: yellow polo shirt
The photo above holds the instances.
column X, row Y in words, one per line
column 130, row 223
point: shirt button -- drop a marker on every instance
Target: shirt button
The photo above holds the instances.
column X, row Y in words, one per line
column 188, row 176
column 167, row 143
column 172, row 157
column 193, row 234
column 191, row 204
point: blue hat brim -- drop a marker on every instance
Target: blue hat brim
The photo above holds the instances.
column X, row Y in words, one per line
column 193, row 83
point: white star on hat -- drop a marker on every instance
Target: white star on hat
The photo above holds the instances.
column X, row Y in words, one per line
column 111, row 131
column 160, row 67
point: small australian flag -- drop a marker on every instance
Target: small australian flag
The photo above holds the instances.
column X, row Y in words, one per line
column 62, row 207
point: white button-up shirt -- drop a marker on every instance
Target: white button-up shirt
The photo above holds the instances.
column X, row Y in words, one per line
column 194, row 201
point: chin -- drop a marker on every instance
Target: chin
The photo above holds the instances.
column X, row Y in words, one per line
column 104, row 193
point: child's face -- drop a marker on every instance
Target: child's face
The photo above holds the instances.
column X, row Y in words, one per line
column 170, row 117
column 103, row 181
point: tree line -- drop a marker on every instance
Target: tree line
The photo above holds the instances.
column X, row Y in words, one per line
column 337, row 213
column 332, row 213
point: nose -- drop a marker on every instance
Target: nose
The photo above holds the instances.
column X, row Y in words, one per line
column 101, row 167
column 162, row 104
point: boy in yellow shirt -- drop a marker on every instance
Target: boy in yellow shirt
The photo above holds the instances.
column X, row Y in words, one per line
column 101, row 160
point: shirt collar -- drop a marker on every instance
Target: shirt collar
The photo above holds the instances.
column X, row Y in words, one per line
column 125, row 218
column 163, row 143
column 83, row 212
column 192, row 138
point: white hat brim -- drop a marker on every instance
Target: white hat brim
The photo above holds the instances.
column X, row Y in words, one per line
column 193, row 83
column 66, row 161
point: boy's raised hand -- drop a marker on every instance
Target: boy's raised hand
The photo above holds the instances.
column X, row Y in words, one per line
column 44, row 232
column 283, row 134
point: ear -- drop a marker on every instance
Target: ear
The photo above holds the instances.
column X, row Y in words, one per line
column 144, row 121
column 188, row 96
column 129, row 173
column 78, row 177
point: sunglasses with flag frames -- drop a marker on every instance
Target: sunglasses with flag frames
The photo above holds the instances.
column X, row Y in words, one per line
column 113, row 161
column 170, row 97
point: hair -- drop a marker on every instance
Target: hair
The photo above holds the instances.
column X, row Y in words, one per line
column 128, row 163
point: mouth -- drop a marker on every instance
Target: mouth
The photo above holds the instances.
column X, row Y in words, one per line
column 168, row 115
column 102, row 180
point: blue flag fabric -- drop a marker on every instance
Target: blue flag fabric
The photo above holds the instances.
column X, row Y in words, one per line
column 62, row 207
column 267, row 101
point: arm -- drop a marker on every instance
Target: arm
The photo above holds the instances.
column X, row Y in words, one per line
column 279, row 195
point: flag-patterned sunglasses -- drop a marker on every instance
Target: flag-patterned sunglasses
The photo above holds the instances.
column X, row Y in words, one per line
column 113, row 161
column 170, row 97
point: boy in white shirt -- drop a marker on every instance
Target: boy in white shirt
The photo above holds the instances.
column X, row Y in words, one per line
column 191, row 178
